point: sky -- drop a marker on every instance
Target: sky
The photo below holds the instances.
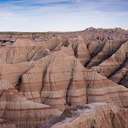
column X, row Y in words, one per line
column 62, row 15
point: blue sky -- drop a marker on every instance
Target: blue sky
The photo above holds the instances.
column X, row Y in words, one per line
column 62, row 15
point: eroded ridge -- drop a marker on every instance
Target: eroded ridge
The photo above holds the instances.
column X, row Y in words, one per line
column 64, row 80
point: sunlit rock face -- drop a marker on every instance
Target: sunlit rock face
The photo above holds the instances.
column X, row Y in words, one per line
column 64, row 80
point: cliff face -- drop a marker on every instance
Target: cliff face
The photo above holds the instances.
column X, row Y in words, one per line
column 64, row 80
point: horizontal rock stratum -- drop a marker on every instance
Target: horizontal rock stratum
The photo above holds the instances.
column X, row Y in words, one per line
column 64, row 80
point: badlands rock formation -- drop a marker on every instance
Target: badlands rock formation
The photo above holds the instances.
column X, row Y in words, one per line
column 64, row 80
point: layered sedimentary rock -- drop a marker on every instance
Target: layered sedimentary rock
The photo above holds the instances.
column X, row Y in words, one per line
column 116, row 66
column 58, row 80
column 95, row 115
column 21, row 112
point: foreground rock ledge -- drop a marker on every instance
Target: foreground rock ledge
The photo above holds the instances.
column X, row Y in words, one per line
column 96, row 115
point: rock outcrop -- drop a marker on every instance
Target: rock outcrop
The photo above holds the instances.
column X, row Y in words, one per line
column 64, row 80
column 95, row 115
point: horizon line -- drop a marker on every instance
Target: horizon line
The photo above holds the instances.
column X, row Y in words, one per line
column 60, row 31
